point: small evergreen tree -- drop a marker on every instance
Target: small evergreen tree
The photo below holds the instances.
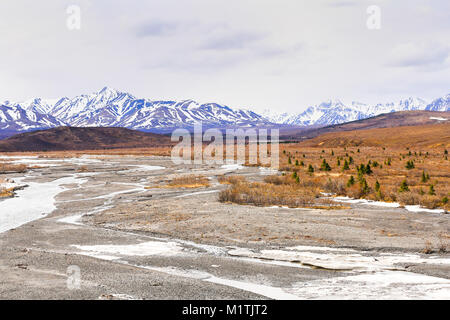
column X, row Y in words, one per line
column 424, row 177
column 364, row 186
column 296, row 162
column 289, row 160
column 410, row 165
column 431, row 192
column 377, row 186
column 350, row 181
column 310, row 169
column 346, row 166
column 404, row 186
column 325, row 166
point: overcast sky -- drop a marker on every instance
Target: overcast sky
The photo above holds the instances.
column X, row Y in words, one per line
column 278, row 54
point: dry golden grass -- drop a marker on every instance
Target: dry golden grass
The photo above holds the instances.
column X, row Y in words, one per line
column 12, row 168
column 388, row 166
column 6, row 192
column 230, row 179
column 189, row 181
column 274, row 191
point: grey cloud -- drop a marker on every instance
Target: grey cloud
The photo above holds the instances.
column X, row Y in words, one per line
column 419, row 55
column 231, row 41
column 156, row 29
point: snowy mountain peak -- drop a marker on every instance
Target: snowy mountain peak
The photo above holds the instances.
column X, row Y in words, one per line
column 440, row 104
column 109, row 107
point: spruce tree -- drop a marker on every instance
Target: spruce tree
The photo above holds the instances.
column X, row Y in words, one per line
column 325, row 166
column 410, row 165
column 431, row 192
column 404, row 186
column 377, row 186
column 364, row 186
column 346, row 166
column 424, row 177
column 350, row 181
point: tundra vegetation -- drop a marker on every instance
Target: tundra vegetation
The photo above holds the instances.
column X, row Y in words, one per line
column 407, row 176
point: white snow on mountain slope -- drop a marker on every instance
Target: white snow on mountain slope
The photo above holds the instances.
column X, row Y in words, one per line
column 335, row 111
column 440, row 104
column 109, row 107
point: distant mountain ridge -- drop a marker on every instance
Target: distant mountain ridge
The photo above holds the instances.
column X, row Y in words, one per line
column 112, row 108
column 336, row 112
column 386, row 120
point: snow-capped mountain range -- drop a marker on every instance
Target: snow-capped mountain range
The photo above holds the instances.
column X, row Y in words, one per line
column 112, row 108
column 335, row 112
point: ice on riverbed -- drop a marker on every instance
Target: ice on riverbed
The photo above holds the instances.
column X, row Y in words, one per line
column 338, row 258
column 141, row 249
column 379, row 285
column 196, row 193
column 47, row 162
column 267, row 171
column 143, row 168
column 75, row 219
column 33, row 202
column 232, row 167
column 417, row 208
column 261, row 289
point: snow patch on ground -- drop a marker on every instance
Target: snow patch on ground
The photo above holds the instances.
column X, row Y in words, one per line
column 366, row 202
column 438, row 118
column 267, row 171
column 415, row 208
